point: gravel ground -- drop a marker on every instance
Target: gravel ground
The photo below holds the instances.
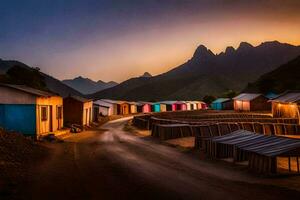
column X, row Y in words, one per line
column 112, row 163
column 17, row 154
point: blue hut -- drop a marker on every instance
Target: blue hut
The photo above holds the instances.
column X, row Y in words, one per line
column 222, row 104
column 29, row 111
column 156, row 107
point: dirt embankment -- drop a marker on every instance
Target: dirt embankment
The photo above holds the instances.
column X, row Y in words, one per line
column 17, row 154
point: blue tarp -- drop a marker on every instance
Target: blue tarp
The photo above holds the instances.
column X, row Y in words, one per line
column 18, row 117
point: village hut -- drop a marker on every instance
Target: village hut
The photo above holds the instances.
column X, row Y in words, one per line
column 188, row 105
column 167, row 105
column 78, row 110
column 287, row 105
column 133, row 107
column 251, row 102
column 163, row 107
column 201, row 105
column 123, row 108
column 194, row 105
column 156, row 107
column 30, row 111
column 144, row 107
column 107, row 107
column 222, row 104
column 179, row 105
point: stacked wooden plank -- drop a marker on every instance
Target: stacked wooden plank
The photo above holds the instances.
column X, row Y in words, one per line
column 208, row 124
column 260, row 150
column 172, row 131
column 261, row 128
column 141, row 121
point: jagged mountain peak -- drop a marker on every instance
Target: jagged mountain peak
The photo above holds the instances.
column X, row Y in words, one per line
column 112, row 83
column 273, row 44
column 202, row 53
column 229, row 50
column 146, row 75
column 100, row 82
column 244, row 46
column 81, row 78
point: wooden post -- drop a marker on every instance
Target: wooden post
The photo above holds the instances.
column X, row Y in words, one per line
column 181, row 131
column 218, row 126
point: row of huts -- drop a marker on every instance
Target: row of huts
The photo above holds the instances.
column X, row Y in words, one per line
column 284, row 105
column 243, row 102
column 107, row 107
column 36, row 113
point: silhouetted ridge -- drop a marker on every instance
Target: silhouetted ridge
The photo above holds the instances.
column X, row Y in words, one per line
column 88, row 86
column 285, row 77
column 244, row 46
column 229, row 50
column 146, row 75
column 206, row 74
column 202, row 54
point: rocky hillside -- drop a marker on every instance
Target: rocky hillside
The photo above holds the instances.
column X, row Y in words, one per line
column 206, row 73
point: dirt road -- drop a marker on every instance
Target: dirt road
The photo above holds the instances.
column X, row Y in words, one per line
column 115, row 164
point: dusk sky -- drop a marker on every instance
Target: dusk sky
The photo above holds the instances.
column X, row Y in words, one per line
column 119, row 39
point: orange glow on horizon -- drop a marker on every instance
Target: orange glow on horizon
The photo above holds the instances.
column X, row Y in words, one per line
column 157, row 47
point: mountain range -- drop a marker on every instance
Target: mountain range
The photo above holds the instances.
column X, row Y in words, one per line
column 88, row 86
column 266, row 67
column 206, row 73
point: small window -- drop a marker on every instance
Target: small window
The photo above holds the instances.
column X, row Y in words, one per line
column 44, row 113
column 59, row 112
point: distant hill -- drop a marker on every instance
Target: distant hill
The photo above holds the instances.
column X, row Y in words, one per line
column 206, row 73
column 15, row 72
column 285, row 77
column 88, row 86
column 6, row 65
column 146, row 75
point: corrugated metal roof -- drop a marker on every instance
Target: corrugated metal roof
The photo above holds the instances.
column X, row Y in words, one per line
column 261, row 144
column 179, row 102
column 221, row 100
column 103, row 103
column 144, row 103
column 134, row 103
column 167, row 102
column 108, row 101
column 29, row 90
column 246, row 96
column 113, row 101
column 288, row 97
